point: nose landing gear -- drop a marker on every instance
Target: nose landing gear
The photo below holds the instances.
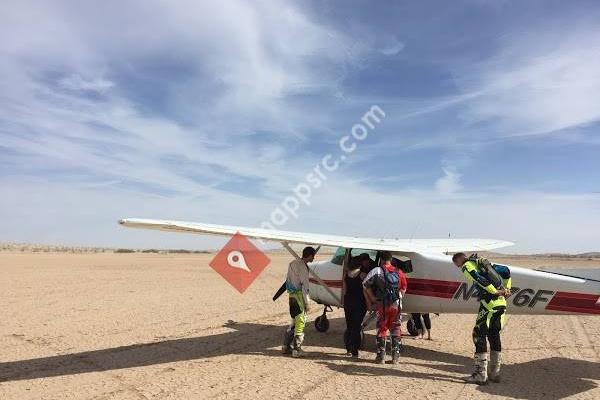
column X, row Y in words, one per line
column 321, row 322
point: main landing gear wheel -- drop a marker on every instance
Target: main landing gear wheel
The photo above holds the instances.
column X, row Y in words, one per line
column 322, row 323
column 412, row 328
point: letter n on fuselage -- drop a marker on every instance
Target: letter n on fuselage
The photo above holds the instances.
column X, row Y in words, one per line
column 467, row 292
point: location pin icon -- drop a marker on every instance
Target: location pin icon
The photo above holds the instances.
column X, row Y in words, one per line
column 235, row 259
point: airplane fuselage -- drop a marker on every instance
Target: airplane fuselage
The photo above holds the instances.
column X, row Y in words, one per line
column 436, row 286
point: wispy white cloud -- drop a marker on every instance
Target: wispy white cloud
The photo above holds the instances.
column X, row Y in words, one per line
column 76, row 82
column 449, row 183
column 391, row 46
column 251, row 57
column 542, row 82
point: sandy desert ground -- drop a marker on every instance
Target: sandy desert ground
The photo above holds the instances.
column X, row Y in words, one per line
column 154, row 326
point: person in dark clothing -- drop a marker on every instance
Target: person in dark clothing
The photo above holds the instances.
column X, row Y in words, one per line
column 355, row 307
column 419, row 324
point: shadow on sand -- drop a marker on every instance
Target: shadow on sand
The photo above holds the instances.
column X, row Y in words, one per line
column 550, row 378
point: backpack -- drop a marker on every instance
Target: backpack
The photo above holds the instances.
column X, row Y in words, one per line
column 494, row 274
column 387, row 288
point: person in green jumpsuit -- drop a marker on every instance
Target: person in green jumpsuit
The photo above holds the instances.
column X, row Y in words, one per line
column 494, row 286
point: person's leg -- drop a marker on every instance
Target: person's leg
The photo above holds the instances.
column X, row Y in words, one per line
column 394, row 316
column 288, row 338
column 496, row 324
column 348, row 314
column 297, row 312
column 416, row 317
column 382, row 331
column 427, row 321
column 479, row 374
column 355, row 338
column 351, row 326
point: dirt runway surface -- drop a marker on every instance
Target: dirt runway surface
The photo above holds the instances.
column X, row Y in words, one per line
column 153, row 326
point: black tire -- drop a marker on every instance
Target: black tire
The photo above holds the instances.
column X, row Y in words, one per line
column 322, row 324
column 411, row 328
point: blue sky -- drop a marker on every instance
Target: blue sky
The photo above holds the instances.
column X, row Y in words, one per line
column 214, row 112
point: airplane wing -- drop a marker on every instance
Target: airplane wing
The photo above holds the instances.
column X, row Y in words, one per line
column 393, row 245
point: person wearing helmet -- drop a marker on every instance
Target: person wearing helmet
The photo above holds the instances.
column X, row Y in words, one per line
column 494, row 286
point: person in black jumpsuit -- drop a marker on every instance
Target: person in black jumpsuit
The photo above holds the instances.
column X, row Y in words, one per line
column 355, row 307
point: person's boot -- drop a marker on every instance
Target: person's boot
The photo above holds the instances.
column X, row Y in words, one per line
column 396, row 343
column 495, row 364
column 297, row 351
column 479, row 376
column 288, row 338
column 380, row 359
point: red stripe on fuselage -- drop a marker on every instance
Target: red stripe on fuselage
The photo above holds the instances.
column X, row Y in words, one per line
column 335, row 284
column 420, row 287
column 575, row 302
column 432, row 288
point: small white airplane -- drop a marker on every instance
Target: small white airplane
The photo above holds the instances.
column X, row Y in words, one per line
column 435, row 285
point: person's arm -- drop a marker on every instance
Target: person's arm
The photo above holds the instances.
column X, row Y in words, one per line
column 507, row 283
column 470, row 272
column 304, row 274
column 363, row 272
column 353, row 273
column 403, row 283
column 367, row 289
column 369, row 297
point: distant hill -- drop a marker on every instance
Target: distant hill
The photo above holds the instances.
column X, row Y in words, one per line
column 39, row 248
column 593, row 254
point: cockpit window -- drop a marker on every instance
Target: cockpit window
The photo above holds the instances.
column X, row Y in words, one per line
column 338, row 257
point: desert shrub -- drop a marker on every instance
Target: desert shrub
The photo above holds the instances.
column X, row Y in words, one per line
column 124, row 251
